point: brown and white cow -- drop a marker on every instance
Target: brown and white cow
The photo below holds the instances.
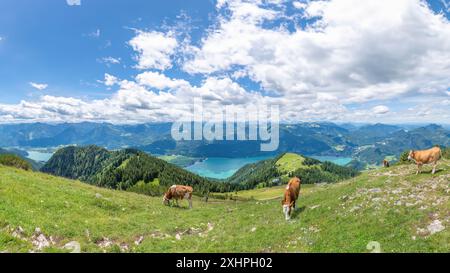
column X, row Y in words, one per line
column 291, row 194
column 430, row 156
column 178, row 192
column 386, row 163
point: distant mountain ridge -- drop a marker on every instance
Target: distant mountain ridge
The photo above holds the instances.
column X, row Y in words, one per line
column 368, row 144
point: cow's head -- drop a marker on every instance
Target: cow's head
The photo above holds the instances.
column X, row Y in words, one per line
column 166, row 200
column 411, row 155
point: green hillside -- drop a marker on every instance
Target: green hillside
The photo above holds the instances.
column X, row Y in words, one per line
column 290, row 162
column 16, row 161
column 278, row 170
column 21, row 154
column 393, row 207
column 123, row 169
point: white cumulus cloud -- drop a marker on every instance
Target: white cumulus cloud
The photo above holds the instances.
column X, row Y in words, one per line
column 110, row 80
column 159, row 81
column 154, row 49
column 39, row 86
column 351, row 62
column 379, row 50
column 380, row 110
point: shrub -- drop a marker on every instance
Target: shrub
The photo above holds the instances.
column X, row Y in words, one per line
column 404, row 158
column 152, row 189
column 311, row 161
column 446, row 153
column 15, row 161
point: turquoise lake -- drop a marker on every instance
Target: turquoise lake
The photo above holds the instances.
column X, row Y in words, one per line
column 222, row 168
column 336, row 160
column 39, row 156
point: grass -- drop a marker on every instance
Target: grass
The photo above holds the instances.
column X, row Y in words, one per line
column 342, row 217
column 271, row 193
column 290, row 162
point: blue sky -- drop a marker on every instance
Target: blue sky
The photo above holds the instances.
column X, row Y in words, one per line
column 309, row 57
column 53, row 42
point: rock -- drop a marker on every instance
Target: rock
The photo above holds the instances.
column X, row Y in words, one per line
column 374, row 247
column 435, row 227
column 139, row 240
column 40, row 241
column 178, row 236
column 209, row 227
column 253, row 229
column 313, row 229
column 124, row 247
column 422, row 232
column 315, row 207
column 105, row 242
column 18, row 232
column 375, row 190
column 344, row 198
column 98, row 195
column 159, row 235
column 433, row 216
column 74, row 246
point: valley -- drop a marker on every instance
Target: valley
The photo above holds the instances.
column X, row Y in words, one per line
column 393, row 207
column 361, row 146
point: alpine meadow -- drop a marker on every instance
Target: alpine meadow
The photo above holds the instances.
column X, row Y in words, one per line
column 224, row 135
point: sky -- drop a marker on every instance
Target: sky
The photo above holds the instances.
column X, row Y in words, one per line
column 145, row 61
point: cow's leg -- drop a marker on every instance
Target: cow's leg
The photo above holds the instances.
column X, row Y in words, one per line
column 190, row 203
column 176, row 200
column 434, row 167
column 286, row 213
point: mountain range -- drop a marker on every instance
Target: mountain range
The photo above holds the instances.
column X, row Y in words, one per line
column 366, row 144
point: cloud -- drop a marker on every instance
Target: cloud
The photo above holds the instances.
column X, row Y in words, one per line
column 109, row 60
column 386, row 59
column 154, row 49
column 380, row 110
column 381, row 50
column 39, row 86
column 110, row 80
column 299, row 5
column 159, row 81
column 95, row 34
column 73, row 2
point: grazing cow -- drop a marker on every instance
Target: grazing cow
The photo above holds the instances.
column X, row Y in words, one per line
column 430, row 156
column 178, row 192
column 290, row 196
column 386, row 163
